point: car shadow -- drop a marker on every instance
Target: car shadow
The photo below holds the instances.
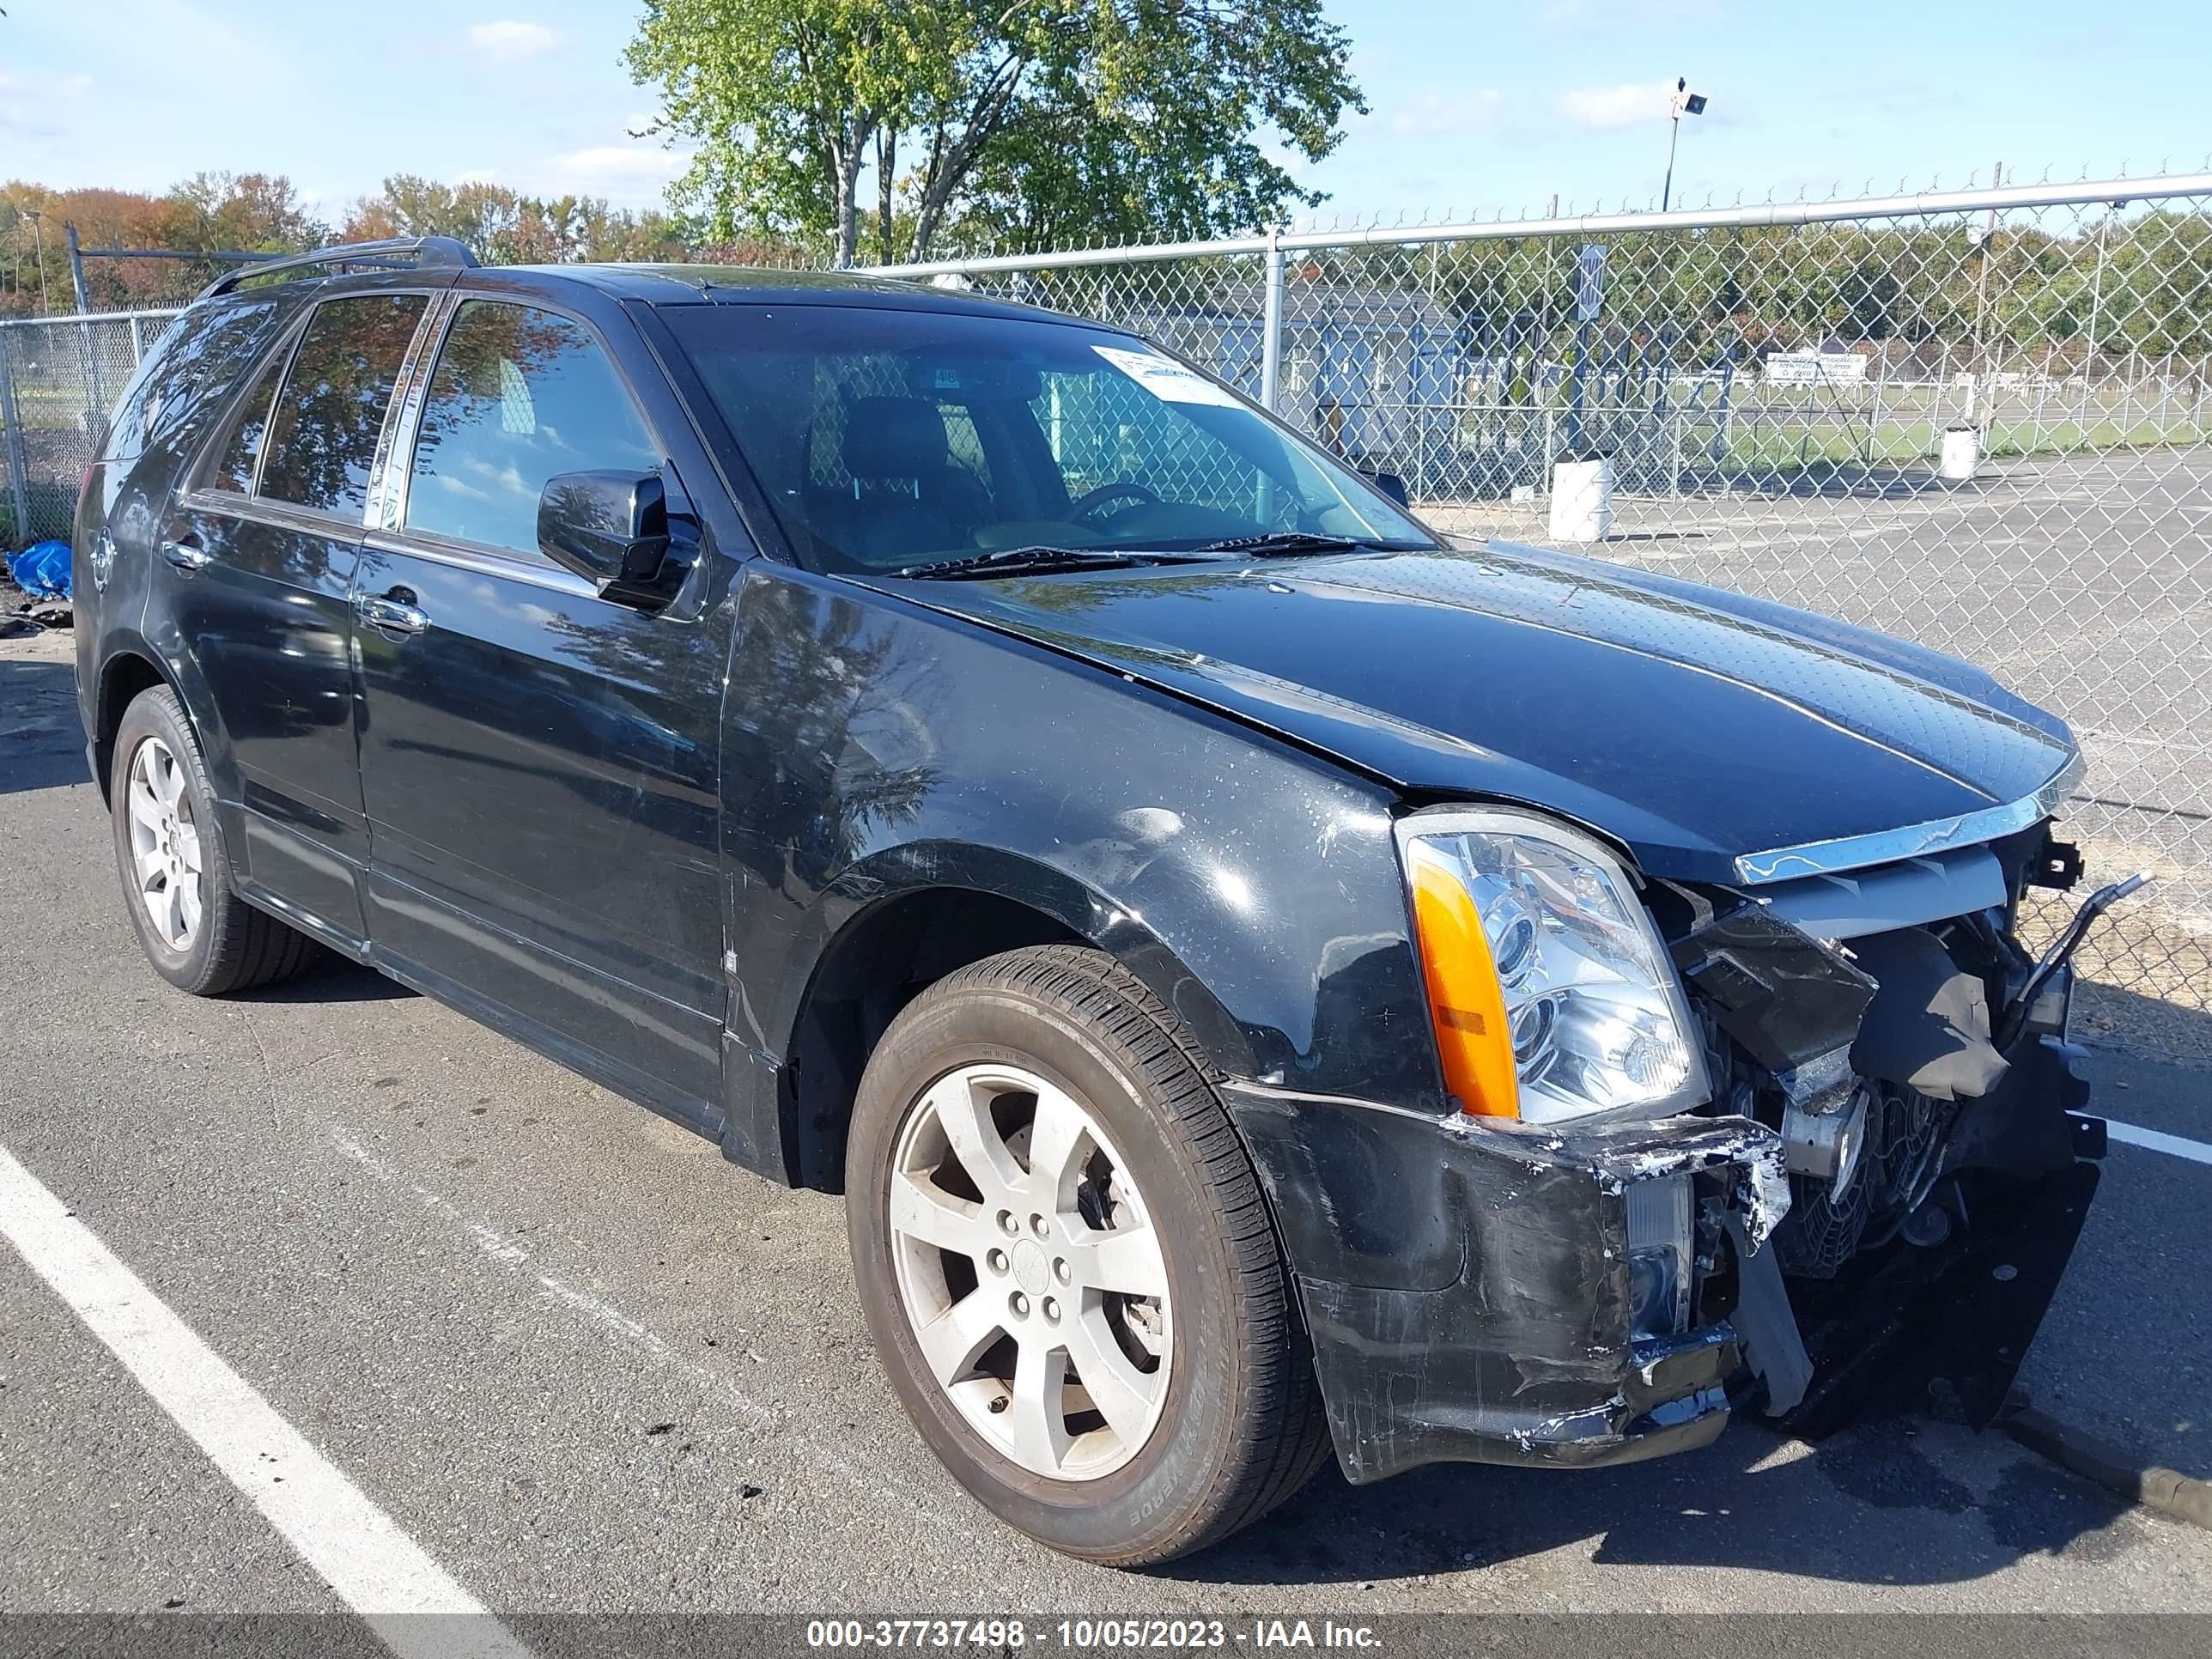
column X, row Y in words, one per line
column 333, row 979
column 41, row 745
column 1752, row 1500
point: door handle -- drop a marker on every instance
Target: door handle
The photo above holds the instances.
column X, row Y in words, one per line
column 395, row 612
column 188, row 556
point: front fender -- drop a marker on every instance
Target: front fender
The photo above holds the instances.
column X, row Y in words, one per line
column 872, row 747
column 917, row 866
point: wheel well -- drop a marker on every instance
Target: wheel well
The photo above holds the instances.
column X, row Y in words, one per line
column 882, row 960
column 127, row 676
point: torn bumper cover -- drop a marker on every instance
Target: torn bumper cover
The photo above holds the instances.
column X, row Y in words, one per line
column 1578, row 1295
column 1469, row 1288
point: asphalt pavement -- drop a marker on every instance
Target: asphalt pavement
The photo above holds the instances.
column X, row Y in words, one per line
column 584, row 1366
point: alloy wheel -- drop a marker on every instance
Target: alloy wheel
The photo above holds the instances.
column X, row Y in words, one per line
column 1031, row 1271
column 168, row 878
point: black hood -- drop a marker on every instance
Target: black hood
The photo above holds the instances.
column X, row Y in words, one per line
column 1692, row 725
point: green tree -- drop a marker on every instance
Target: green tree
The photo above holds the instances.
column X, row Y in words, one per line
column 256, row 212
column 502, row 225
column 1060, row 118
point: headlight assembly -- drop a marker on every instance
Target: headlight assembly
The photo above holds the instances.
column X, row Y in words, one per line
column 1549, row 990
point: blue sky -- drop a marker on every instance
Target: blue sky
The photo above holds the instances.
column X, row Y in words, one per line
column 1474, row 106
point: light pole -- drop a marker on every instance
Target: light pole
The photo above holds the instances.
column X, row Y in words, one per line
column 39, row 236
column 1684, row 102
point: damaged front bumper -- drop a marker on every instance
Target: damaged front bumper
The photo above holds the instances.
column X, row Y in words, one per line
column 1470, row 1294
column 1468, row 1285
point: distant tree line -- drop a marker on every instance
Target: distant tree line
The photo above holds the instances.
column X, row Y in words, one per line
column 2110, row 283
column 263, row 213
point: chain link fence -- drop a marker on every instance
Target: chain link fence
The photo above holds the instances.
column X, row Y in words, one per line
column 1981, row 420
column 58, row 379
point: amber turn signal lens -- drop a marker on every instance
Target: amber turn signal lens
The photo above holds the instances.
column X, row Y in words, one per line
column 1467, row 1004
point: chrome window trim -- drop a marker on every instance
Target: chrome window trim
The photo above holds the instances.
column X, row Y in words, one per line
column 388, row 475
column 1828, row 858
column 459, row 555
column 277, row 515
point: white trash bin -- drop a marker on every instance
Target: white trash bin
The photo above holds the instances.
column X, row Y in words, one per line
column 1961, row 455
column 1582, row 501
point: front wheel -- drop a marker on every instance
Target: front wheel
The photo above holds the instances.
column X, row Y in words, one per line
column 1068, row 1267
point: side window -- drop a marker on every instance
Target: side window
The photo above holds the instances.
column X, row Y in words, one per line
column 232, row 469
column 520, row 395
column 188, row 372
column 322, row 434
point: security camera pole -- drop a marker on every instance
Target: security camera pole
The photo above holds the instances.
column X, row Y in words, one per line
column 1684, row 102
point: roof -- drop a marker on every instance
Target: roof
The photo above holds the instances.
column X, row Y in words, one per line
column 703, row 284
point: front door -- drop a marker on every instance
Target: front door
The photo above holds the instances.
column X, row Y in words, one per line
column 257, row 573
column 539, row 765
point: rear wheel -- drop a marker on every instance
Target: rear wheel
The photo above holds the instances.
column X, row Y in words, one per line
column 200, row 935
column 1068, row 1267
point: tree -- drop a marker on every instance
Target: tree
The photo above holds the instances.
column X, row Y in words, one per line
column 1066, row 118
column 251, row 212
column 500, row 226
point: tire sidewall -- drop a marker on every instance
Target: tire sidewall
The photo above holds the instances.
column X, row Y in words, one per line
column 1171, row 1479
column 155, row 715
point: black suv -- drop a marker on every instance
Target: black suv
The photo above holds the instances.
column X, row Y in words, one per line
column 1265, row 981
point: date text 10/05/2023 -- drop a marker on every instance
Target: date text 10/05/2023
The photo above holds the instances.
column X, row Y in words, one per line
column 1091, row 1635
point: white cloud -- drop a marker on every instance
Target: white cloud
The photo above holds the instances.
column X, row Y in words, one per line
column 507, row 41
column 1618, row 107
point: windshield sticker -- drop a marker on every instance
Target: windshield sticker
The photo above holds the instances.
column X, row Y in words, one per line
column 1165, row 378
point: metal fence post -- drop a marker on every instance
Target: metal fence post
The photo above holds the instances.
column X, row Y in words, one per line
column 11, row 439
column 76, row 269
column 1271, row 327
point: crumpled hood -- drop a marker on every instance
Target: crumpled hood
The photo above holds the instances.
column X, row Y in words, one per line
column 1692, row 724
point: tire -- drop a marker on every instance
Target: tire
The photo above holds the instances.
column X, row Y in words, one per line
column 1206, row 1414
column 228, row 944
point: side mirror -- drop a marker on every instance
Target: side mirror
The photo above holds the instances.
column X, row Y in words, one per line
column 610, row 528
column 1388, row 484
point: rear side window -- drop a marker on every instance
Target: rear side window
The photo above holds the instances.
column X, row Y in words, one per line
column 322, row 434
column 232, row 469
column 520, row 395
column 188, row 372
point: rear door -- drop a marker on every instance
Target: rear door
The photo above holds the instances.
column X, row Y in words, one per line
column 254, row 580
column 539, row 766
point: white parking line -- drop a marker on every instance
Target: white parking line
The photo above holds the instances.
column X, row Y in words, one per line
column 376, row 1569
column 2195, row 1152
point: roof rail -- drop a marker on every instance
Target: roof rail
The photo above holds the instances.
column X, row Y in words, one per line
column 424, row 251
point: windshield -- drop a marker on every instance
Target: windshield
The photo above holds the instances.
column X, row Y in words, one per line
column 891, row 439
